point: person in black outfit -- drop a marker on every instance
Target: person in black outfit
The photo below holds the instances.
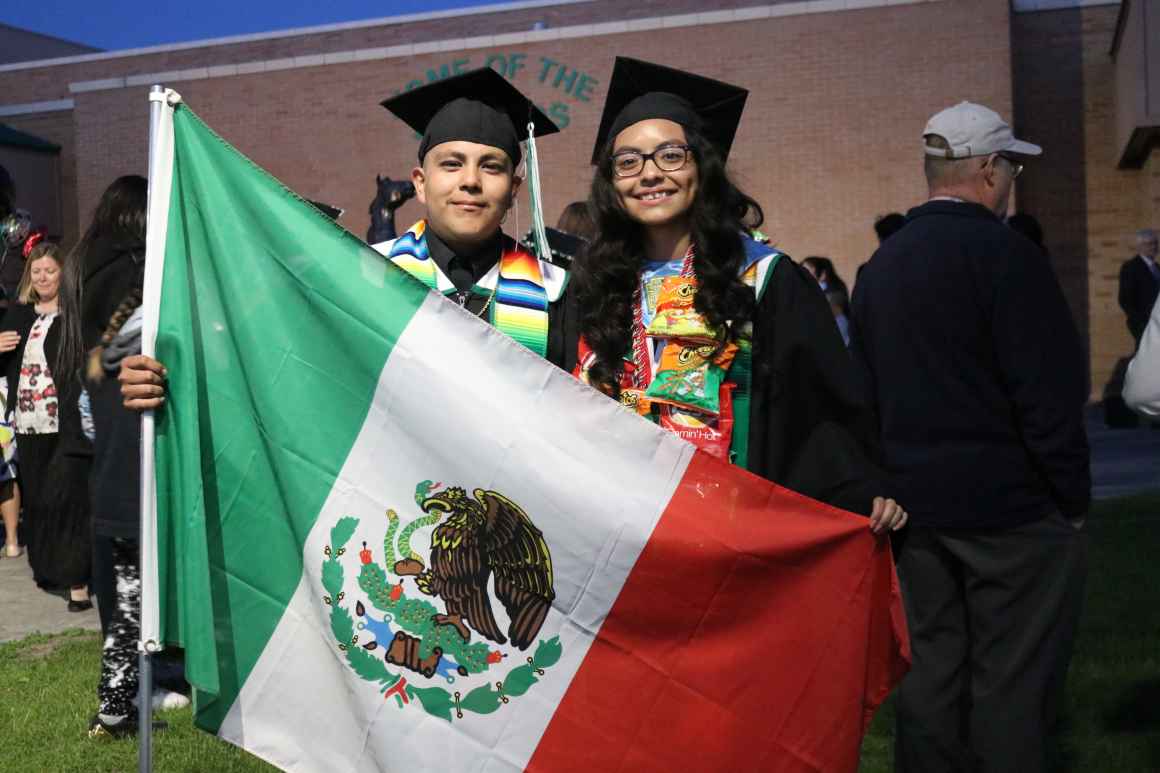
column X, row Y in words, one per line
column 980, row 384
column 1029, row 227
column 105, row 269
column 1140, row 283
column 101, row 288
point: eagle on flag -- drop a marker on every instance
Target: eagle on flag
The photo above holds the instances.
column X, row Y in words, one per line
column 485, row 536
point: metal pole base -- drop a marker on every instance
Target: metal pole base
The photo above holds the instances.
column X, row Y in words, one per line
column 145, row 712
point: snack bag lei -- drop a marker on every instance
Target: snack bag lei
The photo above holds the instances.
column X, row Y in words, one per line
column 633, row 399
column 712, row 434
column 690, row 375
column 675, row 316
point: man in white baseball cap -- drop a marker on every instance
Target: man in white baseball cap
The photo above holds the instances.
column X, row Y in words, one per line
column 980, row 384
column 967, row 147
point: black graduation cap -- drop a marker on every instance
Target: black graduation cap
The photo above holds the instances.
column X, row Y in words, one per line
column 563, row 246
column 477, row 106
column 641, row 90
column 334, row 213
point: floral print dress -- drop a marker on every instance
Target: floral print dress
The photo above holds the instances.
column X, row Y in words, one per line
column 36, row 401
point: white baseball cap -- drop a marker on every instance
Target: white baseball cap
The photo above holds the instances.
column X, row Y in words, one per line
column 974, row 130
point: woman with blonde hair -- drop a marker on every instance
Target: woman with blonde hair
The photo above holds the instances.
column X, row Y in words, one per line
column 53, row 476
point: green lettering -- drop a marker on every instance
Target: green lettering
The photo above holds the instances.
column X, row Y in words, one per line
column 515, row 64
column 443, row 72
column 558, row 112
column 584, row 87
column 548, row 65
column 565, row 79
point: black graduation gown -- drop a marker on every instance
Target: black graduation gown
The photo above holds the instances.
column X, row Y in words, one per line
column 563, row 329
column 113, row 267
column 811, row 426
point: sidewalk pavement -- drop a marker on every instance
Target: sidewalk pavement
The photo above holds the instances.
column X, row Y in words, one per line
column 26, row 609
column 1123, row 462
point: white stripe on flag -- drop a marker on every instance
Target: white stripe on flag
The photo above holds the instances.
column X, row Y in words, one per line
column 595, row 486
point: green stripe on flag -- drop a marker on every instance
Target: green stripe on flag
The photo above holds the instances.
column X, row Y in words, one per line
column 275, row 324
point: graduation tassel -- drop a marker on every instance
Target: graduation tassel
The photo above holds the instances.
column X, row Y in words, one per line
column 539, row 235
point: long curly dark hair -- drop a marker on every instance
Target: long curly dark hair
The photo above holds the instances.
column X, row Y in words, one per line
column 607, row 274
column 120, row 214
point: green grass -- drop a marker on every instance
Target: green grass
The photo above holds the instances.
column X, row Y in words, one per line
column 1111, row 720
column 47, row 696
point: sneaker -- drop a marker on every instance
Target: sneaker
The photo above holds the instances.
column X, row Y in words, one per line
column 168, row 700
column 165, row 700
column 124, row 727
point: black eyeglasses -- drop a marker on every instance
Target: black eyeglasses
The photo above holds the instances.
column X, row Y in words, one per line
column 670, row 158
column 1016, row 167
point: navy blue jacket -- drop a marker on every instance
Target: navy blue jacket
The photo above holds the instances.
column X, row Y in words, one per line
column 977, row 373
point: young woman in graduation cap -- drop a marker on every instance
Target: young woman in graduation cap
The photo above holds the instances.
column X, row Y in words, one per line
column 466, row 179
column 693, row 322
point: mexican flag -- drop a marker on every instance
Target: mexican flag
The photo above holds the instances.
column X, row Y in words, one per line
column 390, row 538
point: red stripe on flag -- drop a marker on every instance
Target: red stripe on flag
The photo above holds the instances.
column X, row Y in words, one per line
column 758, row 630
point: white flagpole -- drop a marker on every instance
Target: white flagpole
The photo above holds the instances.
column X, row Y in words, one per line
column 161, row 102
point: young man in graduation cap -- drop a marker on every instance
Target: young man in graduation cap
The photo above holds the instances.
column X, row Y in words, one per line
column 729, row 343
column 467, row 180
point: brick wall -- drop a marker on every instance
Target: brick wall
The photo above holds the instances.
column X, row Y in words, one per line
column 1150, row 218
column 56, row 128
column 828, row 142
column 34, row 85
column 829, row 139
column 1064, row 100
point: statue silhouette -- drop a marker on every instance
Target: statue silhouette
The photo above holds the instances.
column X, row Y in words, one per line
column 391, row 195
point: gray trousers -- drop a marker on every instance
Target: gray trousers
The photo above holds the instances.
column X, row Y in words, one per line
column 992, row 618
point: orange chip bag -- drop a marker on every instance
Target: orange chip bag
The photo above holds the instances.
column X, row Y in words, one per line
column 685, row 355
column 675, row 316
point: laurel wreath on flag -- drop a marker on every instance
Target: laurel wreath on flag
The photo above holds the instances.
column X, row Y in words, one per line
column 436, row 701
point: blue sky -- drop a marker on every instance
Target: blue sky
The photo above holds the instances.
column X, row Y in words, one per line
column 118, row 24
